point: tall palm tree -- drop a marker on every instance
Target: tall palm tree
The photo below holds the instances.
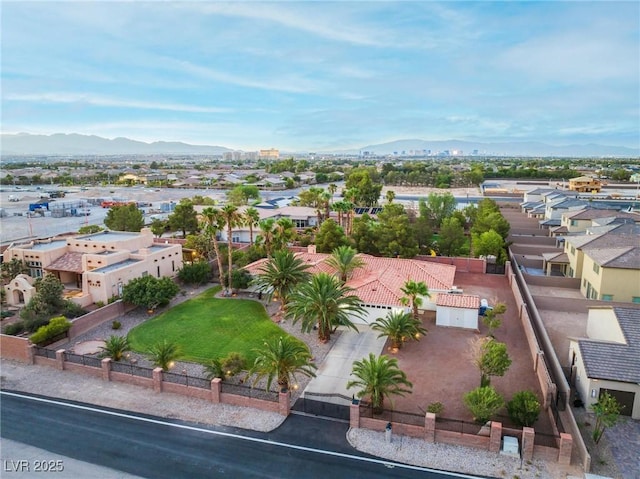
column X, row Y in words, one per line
column 342, row 207
column 351, row 195
column 213, row 224
column 267, row 234
column 399, row 326
column 232, row 217
column 379, row 378
column 345, row 260
column 281, row 359
column 414, row 291
column 280, row 274
column 325, row 303
column 325, row 202
column 251, row 218
column 284, row 232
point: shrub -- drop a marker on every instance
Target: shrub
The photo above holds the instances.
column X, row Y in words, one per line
column 483, row 402
column 14, row 329
column 164, row 353
column 72, row 310
column 115, row 347
column 57, row 326
column 149, row 291
column 115, row 324
column 524, row 408
column 233, row 364
column 196, row 273
column 99, row 304
column 6, row 314
column 435, row 408
column 214, row 369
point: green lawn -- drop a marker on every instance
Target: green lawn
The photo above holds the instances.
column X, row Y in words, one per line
column 206, row 327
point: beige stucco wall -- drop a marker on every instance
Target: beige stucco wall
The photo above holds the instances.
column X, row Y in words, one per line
column 575, row 259
column 623, row 284
column 26, row 253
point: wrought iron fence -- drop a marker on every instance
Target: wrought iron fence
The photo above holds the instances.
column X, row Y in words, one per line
column 129, row 368
column 83, row 359
column 247, row 391
column 457, row 425
column 186, row 380
column 44, row 352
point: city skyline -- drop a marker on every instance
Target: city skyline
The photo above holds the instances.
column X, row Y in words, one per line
column 324, row 75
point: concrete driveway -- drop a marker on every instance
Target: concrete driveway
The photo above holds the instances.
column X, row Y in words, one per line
column 333, row 375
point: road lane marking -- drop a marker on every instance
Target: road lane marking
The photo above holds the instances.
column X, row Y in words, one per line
column 237, row 436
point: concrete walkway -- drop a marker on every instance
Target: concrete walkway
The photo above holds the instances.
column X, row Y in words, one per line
column 335, row 372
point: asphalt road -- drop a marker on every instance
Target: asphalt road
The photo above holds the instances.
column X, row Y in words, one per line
column 154, row 447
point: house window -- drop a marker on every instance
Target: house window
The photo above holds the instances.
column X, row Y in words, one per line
column 573, row 250
column 574, row 222
column 35, row 269
column 570, row 272
column 158, row 271
column 596, row 268
column 607, row 297
column 173, row 265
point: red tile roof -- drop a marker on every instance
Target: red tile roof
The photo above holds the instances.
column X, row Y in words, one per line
column 466, row 301
column 381, row 279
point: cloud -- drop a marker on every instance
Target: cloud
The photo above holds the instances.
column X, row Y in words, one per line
column 98, row 100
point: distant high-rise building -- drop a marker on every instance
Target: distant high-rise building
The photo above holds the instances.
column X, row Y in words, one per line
column 271, row 154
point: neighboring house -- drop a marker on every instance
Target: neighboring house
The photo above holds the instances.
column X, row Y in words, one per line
column 378, row 284
column 95, row 267
column 585, row 184
column 573, row 222
column 608, row 264
column 145, row 179
column 609, row 359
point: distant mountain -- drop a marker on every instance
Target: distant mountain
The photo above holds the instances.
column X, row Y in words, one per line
column 75, row 144
column 530, row 148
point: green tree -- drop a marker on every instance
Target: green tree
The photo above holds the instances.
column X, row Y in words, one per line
column 124, row 218
column 242, row 194
column 414, row 291
column 345, row 261
column 251, row 217
column 487, row 217
column 330, row 236
column 364, row 235
column 158, row 227
column 89, row 229
column 379, row 377
column 325, row 303
column 164, row 354
column 115, row 347
column 394, row 234
column 451, row 239
column 213, row 223
column 438, row 207
column 48, row 301
column 196, row 273
column 483, row 402
column 607, row 411
column 390, row 196
column 284, row 231
column 184, row 218
column 491, row 358
column 489, row 243
column 280, row 274
column 492, row 317
column 366, row 182
column 267, row 234
column 313, row 198
column 232, row 218
column 240, row 279
column 149, row 292
column 281, row 359
column 524, row 408
column 399, row 327
column 342, row 208
column 11, row 269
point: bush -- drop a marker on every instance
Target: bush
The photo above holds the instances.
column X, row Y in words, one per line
column 524, row 408
column 14, row 329
column 72, row 310
column 115, row 347
column 149, row 291
column 57, row 326
column 233, row 364
column 116, row 324
column 196, row 273
column 214, row 369
column 6, row 314
column 99, row 304
column 483, row 402
column 435, row 408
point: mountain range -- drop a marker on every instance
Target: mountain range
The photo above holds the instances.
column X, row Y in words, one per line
column 76, row 144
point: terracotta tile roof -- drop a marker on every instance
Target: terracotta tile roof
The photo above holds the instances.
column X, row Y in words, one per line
column 68, row 262
column 381, row 279
column 466, row 301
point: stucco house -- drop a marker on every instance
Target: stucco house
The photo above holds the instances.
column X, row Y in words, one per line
column 585, row 184
column 379, row 282
column 608, row 360
column 457, row 310
column 94, row 267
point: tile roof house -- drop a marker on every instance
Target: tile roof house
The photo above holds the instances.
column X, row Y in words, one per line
column 94, row 267
column 457, row 310
column 378, row 284
column 609, row 358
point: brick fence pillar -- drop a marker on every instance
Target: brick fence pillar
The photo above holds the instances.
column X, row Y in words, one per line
column 354, row 415
column 157, row 380
column 216, row 389
column 284, row 403
column 106, row 369
column 430, row 427
column 528, row 438
column 60, row 359
column 31, row 354
column 495, row 438
column 566, row 445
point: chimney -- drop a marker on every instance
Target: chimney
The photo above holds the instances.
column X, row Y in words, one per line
column 311, row 249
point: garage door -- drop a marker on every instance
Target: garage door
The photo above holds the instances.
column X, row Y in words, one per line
column 625, row 398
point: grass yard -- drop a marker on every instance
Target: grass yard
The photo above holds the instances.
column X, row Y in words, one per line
column 206, row 327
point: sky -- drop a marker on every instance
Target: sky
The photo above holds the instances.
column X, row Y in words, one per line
column 323, row 76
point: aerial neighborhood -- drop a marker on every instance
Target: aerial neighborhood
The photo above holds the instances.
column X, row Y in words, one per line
column 460, row 301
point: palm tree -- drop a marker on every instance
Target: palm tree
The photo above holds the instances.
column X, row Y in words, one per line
column 214, row 223
column 379, row 378
column 414, row 291
column 325, row 303
column 232, row 218
column 351, row 196
column 391, row 195
column 342, row 207
column 251, row 218
column 164, row 353
column 115, row 347
column 325, row 202
column 284, row 232
column 280, row 274
column 399, row 326
column 282, row 358
column 267, row 234
column 345, row 260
